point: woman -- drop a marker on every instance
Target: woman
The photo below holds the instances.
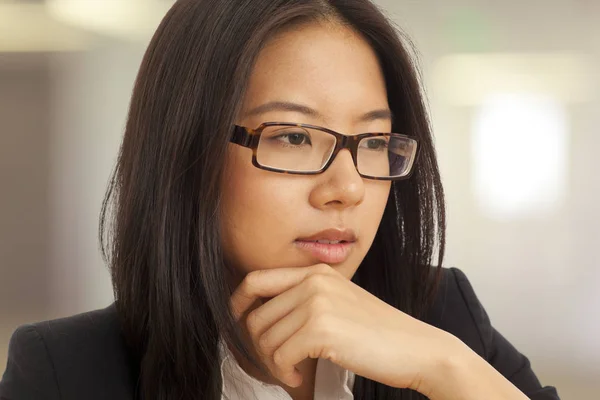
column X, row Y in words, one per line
column 276, row 207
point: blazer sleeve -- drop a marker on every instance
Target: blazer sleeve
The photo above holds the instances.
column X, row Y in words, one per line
column 29, row 373
column 498, row 351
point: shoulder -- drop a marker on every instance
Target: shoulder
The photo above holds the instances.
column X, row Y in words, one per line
column 458, row 311
column 64, row 358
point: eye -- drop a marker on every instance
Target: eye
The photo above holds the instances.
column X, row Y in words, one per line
column 375, row 144
column 294, row 138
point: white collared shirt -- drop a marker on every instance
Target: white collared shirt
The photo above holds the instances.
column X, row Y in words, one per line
column 332, row 382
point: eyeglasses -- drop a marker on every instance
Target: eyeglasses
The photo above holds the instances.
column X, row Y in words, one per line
column 305, row 149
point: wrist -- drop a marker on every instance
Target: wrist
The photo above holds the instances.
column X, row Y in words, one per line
column 447, row 376
column 461, row 374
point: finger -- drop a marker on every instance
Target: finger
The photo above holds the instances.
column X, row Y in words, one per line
column 284, row 360
column 315, row 339
column 261, row 284
column 268, row 283
column 307, row 329
column 274, row 322
column 278, row 334
column 271, row 312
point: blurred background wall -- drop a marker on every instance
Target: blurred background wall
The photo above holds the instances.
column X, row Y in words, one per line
column 514, row 94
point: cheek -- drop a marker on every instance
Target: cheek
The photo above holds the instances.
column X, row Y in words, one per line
column 376, row 198
column 377, row 193
column 259, row 213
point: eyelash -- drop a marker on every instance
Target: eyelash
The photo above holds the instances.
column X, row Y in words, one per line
column 287, row 135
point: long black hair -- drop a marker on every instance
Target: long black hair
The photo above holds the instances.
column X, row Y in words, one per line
column 159, row 225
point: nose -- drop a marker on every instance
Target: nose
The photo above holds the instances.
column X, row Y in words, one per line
column 340, row 186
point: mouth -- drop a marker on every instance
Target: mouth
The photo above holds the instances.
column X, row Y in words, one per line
column 331, row 246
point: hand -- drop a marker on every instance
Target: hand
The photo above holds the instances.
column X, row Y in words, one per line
column 318, row 313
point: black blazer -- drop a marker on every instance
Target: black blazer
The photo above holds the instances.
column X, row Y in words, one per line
column 84, row 356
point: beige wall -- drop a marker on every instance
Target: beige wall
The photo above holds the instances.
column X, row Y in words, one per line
column 24, row 188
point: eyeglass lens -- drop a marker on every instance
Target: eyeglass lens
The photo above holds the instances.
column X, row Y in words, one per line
column 302, row 149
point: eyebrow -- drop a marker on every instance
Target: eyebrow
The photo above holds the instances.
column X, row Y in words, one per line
column 384, row 113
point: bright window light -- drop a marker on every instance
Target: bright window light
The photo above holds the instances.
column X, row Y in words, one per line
column 130, row 19
column 520, row 153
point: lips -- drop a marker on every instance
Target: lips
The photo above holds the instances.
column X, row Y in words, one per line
column 331, row 235
column 331, row 246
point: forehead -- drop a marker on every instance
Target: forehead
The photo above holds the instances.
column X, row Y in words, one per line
column 327, row 67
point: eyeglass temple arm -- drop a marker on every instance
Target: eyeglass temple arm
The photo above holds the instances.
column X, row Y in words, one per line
column 241, row 136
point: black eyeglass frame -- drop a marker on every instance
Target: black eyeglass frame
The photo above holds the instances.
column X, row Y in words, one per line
column 250, row 138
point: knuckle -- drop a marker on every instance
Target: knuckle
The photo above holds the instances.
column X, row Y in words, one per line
column 317, row 282
column 264, row 342
column 329, row 354
column 322, row 268
column 252, row 279
column 252, row 321
column 278, row 372
column 264, row 355
column 278, row 359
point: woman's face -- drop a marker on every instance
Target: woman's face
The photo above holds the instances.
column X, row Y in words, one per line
column 272, row 220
